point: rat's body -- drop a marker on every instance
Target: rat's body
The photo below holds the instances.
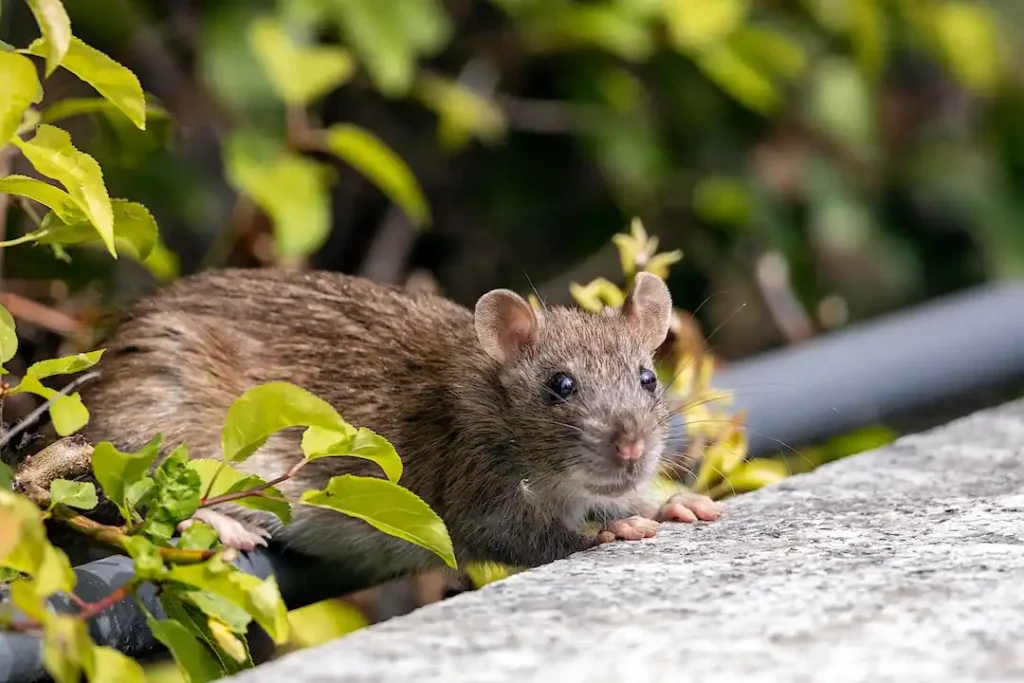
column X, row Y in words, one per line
column 512, row 468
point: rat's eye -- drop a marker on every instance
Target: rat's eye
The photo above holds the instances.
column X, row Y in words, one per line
column 560, row 387
column 648, row 380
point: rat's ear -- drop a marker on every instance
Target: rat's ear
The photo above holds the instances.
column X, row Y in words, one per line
column 505, row 324
column 648, row 309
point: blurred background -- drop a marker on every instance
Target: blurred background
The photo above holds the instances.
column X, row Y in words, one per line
column 820, row 161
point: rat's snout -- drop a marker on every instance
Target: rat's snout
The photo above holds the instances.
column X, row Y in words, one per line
column 629, row 441
column 629, row 450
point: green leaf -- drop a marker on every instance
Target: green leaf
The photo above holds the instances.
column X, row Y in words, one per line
column 754, row 474
column 230, row 480
column 76, row 494
column 269, row 408
column 66, row 648
column 370, row 156
column 117, row 472
column 198, row 536
column 50, row 196
column 290, row 188
column 135, row 229
column 54, row 573
column 260, row 598
column 215, row 606
column 696, row 24
column 110, row 666
column 68, row 414
column 192, row 657
column 53, row 155
column 175, row 496
column 65, row 365
column 55, row 26
column 110, row 79
column 78, row 106
column 7, row 483
column 968, row 34
column 388, row 507
column 147, row 561
column 363, row 444
column 8, row 336
column 390, row 37
column 298, row 73
column 20, row 86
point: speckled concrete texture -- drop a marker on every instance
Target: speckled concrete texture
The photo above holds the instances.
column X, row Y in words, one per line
column 903, row 564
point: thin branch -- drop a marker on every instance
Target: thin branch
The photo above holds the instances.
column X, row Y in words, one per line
column 38, row 314
column 256, row 491
column 115, row 536
column 34, row 416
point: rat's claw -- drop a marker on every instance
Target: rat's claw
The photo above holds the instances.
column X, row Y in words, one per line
column 689, row 507
column 232, row 533
column 630, row 529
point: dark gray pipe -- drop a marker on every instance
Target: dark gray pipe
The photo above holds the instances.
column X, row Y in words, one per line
column 802, row 394
column 889, row 367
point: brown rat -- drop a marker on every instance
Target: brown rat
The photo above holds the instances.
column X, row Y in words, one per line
column 515, row 426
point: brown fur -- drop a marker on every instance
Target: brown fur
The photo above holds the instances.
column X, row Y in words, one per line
column 512, row 477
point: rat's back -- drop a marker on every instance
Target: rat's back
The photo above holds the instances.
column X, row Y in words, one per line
column 177, row 360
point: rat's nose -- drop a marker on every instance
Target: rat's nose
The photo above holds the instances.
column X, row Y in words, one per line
column 629, row 450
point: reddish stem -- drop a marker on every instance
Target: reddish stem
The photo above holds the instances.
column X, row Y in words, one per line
column 228, row 497
column 91, row 609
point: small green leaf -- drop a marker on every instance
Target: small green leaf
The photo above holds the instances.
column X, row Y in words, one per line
column 175, row 496
column 20, row 86
column 298, row 73
column 269, row 408
column 8, row 336
column 198, row 536
column 230, row 480
column 226, row 640
column 135, row 229
column 193, row 658
column 117, row 472
column 76, row 494
column 696, row 24
column 68, row 414
column 148, row 563
column 110, row 666
column 365, row 152
column 363, row 444
column 54, row 573
column 7, row 483
column 388, row 507
column 56, row 29
column 110, row 79
column 260, row 598
column 65, row 365
column 50, row 196
column 53, row 155
column 290, row 188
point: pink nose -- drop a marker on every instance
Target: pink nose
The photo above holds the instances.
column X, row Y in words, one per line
column 630, row 451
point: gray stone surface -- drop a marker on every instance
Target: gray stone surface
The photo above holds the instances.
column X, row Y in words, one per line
column 903, row 564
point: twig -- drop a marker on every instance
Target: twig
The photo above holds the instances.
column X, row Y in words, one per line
column 38, row 314
column 256, row 491
column 34, row 416
column 115, row 536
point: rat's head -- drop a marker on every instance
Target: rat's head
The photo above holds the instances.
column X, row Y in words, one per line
column 581, row 395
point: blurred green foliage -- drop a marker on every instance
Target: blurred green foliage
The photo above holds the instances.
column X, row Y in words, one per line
column 868, row 146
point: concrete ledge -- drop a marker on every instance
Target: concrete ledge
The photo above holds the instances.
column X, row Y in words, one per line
column 903, row 564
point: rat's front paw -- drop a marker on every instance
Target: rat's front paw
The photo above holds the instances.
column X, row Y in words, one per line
column 232, row 533
column 629, row 529
column 689, row 507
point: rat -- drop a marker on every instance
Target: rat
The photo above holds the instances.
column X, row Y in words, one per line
column 517, row 426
